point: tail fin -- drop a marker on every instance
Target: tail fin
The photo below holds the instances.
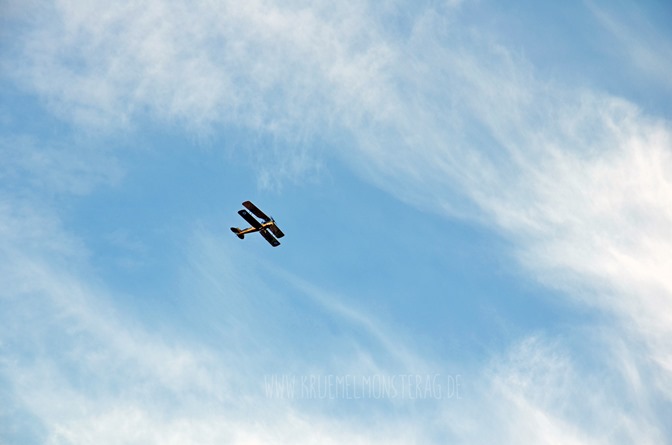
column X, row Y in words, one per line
column 236, row 230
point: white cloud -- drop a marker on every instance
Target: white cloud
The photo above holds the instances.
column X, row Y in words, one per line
column 291, row 72
column 197, row 63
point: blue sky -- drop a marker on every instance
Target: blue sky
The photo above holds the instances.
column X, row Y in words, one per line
column 477, row 201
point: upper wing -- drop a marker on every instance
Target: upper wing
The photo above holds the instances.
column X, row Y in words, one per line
column 270, row 238
column 276, row 231
column 250, row 219
column 258, row 213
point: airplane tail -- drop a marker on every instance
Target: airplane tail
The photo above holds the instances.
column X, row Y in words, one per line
column 236, row 230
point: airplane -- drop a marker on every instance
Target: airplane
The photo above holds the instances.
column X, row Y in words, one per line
column 265, row 228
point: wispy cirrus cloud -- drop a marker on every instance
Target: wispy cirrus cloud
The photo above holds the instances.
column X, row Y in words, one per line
column 125, row 380
column 579, row 179
column 85, row 370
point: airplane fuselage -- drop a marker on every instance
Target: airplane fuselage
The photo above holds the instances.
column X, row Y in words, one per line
column 265, row 225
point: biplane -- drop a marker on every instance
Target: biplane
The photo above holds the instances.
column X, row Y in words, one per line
column 266, row 227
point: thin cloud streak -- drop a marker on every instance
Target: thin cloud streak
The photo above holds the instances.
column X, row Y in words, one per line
column 639, row 43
